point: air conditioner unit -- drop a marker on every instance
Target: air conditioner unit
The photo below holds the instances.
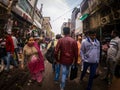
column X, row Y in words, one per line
column 105, row 20
column 116, row 15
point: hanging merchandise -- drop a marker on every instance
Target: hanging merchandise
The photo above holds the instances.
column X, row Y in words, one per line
column 35, row 33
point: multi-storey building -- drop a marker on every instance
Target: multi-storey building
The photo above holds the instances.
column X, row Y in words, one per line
column 78, row 25
column 47, row 28
column 19, row 15
column 101, row 15
column 66, row 24
column 73, row 20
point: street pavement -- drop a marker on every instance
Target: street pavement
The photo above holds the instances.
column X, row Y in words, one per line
column 49, row 84
column 19, row 79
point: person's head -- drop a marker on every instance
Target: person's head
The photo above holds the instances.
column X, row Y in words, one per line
column 58, row 36
column 9, row 32
column 6, row 34
column 92, row 34
column 37, row 38
column 114, row 33
column 30, row 41
column 66, row 30
column 79, row 37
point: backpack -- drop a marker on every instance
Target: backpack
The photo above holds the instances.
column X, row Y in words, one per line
column 50, row 53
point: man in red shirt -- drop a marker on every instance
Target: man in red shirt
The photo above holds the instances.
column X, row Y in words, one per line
column 66, row 53
column 9, row 49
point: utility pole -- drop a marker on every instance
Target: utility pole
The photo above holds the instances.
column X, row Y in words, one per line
column 11, row 4
column 34, row 7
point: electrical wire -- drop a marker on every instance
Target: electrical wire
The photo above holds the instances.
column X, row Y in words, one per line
column 66, row 12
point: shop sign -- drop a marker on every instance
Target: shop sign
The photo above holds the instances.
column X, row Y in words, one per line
column 82, row 18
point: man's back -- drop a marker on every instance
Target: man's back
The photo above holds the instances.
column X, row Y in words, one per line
column 113, row 48
column 68, row 50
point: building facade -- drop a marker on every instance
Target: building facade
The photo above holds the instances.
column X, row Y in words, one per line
column 19, row 15
column 47, row 28
column 101, row 15
column 65, row 24
column 78, row 25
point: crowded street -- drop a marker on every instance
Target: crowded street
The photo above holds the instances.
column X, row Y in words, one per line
column 19, row 80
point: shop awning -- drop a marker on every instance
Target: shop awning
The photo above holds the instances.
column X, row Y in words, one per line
column 82, row 18
column 37, row 24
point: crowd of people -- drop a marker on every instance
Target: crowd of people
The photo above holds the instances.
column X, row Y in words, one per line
column 86, row 52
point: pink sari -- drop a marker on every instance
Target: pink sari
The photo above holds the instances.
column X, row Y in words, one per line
column 36, row 65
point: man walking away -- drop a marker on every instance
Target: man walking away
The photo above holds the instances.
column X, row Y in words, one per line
column 66, row 52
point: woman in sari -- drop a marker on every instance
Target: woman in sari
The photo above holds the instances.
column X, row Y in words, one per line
column 34, row 60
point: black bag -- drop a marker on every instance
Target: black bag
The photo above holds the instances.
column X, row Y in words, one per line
column 50, row 53
column 117, row 71
column 73, row 72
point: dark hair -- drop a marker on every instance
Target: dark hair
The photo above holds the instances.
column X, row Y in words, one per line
column 91, row 32
column 78, row 35
column 58, row 36
column 66, row 30
column 115, row 32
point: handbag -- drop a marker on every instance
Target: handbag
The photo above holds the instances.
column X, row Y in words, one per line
column 73, row 72
column 50, row 53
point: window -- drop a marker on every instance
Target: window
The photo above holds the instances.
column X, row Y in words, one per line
column 24, row 4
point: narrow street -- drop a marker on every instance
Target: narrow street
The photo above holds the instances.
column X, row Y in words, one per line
column 19, row 80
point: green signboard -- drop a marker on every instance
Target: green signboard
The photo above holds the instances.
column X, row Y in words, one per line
column 84, row 17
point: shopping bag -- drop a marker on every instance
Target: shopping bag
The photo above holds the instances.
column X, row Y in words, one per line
column 73, row 72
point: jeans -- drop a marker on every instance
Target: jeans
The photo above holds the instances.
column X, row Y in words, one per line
column 65, row 72
column 3, row 59
column 110, row 72
column 57, row 71
column 53, row 66
column 8, row 59
column 93, row 67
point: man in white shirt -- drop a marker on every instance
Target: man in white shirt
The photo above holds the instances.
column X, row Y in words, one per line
column 15, row 42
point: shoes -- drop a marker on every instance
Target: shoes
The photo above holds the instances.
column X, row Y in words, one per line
column 39, row 83
column 1, row 68
column 109, row 82
column 104, row 79
column 96, row 76
column 88, row 71
column 81, row 69
column 81, row 81
column 56, row 82
column 61, row 89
